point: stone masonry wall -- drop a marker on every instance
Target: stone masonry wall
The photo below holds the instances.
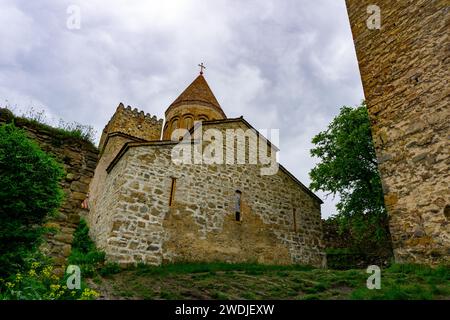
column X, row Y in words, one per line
column 126, row 125
column 133, row 221
column 109, row 151
column 405, row 72
column 79, row 159
column 100, row 214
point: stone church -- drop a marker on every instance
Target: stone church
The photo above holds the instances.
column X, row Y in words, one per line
column 146, row 207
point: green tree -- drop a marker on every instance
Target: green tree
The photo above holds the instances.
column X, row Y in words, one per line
column 348, row 167
column 29, row 191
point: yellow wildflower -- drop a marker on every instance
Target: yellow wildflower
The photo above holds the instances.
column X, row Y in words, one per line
column 19, row 277
column 47, row 272
column 88, row 294
column 55, row 287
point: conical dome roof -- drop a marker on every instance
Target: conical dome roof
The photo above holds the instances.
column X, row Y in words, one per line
column 198, row 92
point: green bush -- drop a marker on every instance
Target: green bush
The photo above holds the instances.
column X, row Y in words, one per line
column 29, row 191
column 84, row 252
column 81, row 240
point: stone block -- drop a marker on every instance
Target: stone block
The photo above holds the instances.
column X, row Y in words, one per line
column 79, row 187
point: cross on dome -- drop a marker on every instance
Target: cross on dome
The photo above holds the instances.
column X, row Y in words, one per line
column 201, row 67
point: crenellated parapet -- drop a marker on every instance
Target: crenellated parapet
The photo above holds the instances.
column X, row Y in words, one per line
column 134, row 123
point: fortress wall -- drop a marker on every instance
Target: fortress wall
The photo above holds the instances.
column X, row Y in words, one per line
column 200, row 225
column 79, row 159
column 405, row 69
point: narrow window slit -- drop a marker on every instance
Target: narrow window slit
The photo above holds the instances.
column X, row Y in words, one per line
column 295, row 219
column 238, row 205
column 172, row 191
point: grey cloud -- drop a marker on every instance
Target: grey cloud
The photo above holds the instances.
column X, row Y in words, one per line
column 281, row 64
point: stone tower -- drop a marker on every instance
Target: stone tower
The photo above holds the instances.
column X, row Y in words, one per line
column 133, row 123
column 126, row 125
column 196, row 103
column 405, row 69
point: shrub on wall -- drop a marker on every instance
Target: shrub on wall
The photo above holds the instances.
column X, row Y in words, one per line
column 29, row 191
column 345, row 251
column 86, row 255
column 84, row 252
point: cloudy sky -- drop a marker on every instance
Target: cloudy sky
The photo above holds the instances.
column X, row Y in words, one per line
column 284, row 64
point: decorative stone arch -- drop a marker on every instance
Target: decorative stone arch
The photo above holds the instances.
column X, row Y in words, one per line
column 167, row 127
column 188, row 121
column 175, row 123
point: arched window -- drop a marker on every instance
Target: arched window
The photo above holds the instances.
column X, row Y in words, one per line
column 188, row 122
column 174, row 124
column 202, row 117
column 167, row 131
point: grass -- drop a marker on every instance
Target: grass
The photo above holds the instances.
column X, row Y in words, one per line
column 410, row 282
column 64, row 130
column 212, row 268
column 254, row 281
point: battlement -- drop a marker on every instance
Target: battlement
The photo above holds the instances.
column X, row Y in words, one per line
column 134, row 123
column 135, row 113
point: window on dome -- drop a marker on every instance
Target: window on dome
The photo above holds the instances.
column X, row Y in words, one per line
column 188, row 122
column 174, row 124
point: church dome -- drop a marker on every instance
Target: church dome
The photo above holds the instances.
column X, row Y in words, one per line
column 195, row 103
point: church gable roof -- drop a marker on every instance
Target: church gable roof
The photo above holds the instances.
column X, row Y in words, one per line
column 219, row 122
column 271, row 145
